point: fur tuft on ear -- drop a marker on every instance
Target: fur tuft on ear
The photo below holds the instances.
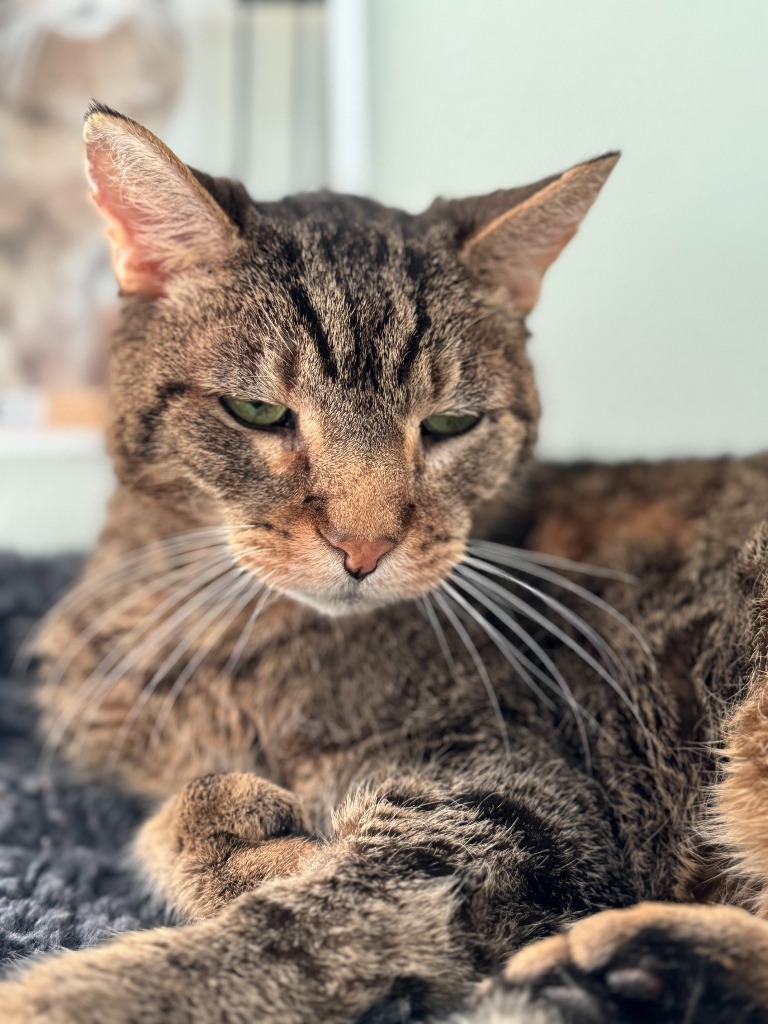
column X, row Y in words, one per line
column 512, row 250
column 161, row 221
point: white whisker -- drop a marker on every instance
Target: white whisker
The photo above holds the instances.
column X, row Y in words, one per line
column 479, row 666
column 523, row 564
column 578, row 623
column 153, row 643
column 505, row 554
column 181, row 567
column 192, row 666
column 531, row 613
column 135, row 565
column 203, row 540
column 242, row 642
column 439, row 632
column 610, row 658
column 239, row 592
column 558, row 680
column 118, row 662
column 524, row 667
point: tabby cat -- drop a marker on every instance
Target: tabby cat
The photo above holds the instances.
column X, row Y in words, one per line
column 386, row 756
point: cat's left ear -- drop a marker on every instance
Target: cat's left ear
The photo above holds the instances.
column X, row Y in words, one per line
column 161, row 221
column 511, row 251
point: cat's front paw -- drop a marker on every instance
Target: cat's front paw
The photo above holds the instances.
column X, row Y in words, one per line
column 655, row 962
column 221, row 836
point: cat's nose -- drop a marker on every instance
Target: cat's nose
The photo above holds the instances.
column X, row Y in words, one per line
column 360, row 556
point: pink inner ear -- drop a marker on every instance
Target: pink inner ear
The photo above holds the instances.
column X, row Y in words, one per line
column 129, row 228
column 134, row 274
column 530, row 264
column 514, row 249
column 550, row 249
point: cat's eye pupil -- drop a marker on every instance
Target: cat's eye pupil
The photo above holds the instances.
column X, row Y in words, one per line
column 258, row 414
column 443, row 425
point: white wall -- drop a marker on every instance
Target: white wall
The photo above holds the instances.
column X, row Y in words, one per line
column 651, row 338
column 53, row 492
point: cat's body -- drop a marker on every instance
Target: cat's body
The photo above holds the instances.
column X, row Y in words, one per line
column 422, row 786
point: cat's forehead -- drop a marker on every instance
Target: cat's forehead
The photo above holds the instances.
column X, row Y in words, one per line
column 353, row 296
column 369, row 252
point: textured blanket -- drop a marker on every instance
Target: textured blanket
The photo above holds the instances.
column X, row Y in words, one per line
column 62, row 881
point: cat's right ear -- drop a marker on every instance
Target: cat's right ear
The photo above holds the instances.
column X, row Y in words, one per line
column 161, row 221
column 508, row 240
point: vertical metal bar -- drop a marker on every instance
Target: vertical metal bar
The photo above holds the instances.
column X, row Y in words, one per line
column 242, row 93
column 349, row 143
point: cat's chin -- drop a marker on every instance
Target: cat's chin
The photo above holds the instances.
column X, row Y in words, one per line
column 337, row 605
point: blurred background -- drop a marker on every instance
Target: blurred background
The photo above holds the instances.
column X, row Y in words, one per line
column 651, row 337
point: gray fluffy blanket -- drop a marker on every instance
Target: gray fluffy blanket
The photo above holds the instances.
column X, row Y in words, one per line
column 62, row 882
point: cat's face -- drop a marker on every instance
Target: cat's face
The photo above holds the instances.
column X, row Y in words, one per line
column 339, row 384
column 355, row 359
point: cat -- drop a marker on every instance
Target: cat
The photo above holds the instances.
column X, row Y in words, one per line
column 387, row 757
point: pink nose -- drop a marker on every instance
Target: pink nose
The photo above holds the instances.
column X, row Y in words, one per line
column 360, row 556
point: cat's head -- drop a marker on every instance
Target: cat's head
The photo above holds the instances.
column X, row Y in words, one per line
column 340, row 383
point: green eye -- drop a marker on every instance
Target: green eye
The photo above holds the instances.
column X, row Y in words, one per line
column 258, row 414
column 448, row 426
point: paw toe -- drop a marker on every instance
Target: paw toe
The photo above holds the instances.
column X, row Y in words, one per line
column 237, row 804
column 653, row 962
column 635, row 983
column 580, row 1005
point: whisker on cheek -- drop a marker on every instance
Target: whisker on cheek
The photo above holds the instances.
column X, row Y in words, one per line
column 467, row 570
column 552, row 677
column 188, row 571
column 151, row 560
column 124, row 655
column 434, row 621
column 233, row 590
column 242, row 643
column 479, row 664
column 505, row 555
column 518, row 558
column 232, row 662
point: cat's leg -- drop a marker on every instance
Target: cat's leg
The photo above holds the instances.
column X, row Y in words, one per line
column 422, row 889
column 660, row 962
column 221, row 836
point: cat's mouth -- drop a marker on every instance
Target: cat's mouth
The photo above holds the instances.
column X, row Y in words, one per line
column 337, row 603
column 336, row 579
column 341, row 596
